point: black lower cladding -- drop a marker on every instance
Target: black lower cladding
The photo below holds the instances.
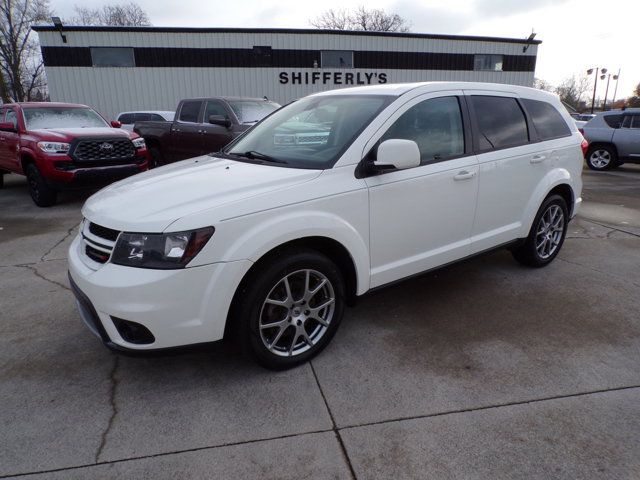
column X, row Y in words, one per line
column 90, row 311
column 133, row 332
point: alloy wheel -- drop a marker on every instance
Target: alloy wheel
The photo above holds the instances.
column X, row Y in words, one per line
column 549, row 232
column 600, row 158
column 297, row 312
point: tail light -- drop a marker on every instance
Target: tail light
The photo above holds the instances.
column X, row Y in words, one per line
column 584, row 145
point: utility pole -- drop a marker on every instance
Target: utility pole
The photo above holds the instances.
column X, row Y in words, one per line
column 615, row 77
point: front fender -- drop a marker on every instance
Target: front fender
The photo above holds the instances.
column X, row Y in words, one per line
column 559, row 176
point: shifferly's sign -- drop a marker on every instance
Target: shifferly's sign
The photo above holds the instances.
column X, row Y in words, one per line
column 332, row 78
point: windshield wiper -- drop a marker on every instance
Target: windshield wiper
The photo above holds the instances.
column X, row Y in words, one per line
column 253, row 155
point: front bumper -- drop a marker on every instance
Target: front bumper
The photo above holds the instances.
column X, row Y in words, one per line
column 179, row 307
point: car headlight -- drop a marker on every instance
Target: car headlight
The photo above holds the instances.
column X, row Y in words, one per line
column 53, row 147
column 160, row 250
column 138, row 142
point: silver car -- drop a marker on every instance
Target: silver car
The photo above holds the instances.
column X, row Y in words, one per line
column 614, row 139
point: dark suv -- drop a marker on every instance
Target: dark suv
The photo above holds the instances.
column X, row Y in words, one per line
column 614, row 138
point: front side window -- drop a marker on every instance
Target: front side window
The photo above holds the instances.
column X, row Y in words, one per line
column 631, row 121
column 312, row 132
column 190, row 111
column 252, row 111
column 61, row 117
column 214, row 108
column 12, row 118
column 548, row 122
column 501, row 122
column 112, row 57
column 336, row 59
column 635, row 122
column 435, row 125
column 487, row 62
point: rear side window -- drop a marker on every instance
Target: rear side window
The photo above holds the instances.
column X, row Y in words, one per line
column 612, row 120
column 157, row 118
column 190, row 111
column 143, row 117
column 126, row 118
column 546, row 119
column 501, row 122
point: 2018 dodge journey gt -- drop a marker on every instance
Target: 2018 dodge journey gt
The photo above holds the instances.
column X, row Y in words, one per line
column 325, row 199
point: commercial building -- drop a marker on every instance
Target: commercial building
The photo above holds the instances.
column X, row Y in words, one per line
column 127, row 68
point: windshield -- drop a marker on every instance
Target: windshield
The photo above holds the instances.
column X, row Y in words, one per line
column 312, row 132
column 251, row 111
column 61, row 117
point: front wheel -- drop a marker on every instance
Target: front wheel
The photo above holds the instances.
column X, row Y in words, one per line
column 41, row 193
column 291, row 308
column 546, row 235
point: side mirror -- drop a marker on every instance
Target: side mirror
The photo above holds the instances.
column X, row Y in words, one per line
column 398, row 154
column 116, row 124
column 219, row 120
column 8, row 127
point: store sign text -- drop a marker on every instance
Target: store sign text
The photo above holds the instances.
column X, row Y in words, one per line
column 335, row 78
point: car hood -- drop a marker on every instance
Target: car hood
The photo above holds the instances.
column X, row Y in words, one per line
column 68, row 134
column 153, row 200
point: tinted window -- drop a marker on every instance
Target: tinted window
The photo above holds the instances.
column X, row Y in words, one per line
column 635, row 123
column 501, row 122
column 547, row 120
column 435, row 125
column 12, row 118
column 157, row 118
column 337, row 59
column 112, row 57
column 189, row 112
column 215, row 108
column 126, row 118
column 612, row 120
column 143, row 117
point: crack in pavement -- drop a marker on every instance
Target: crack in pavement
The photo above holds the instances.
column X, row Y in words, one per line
column 346, row 427
column 593, row 269
column 612, row 228
column 67, row 235
column 35, row 271
column 114, row 407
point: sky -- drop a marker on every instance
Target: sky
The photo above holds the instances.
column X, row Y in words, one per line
column 576, row 34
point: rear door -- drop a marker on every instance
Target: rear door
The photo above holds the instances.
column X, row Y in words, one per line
column 511, row 166
column 186, row 131
column 214, row 137
column 627, row 137
column 9, row 141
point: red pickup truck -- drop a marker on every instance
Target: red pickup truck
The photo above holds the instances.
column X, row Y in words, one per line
column 60, row 145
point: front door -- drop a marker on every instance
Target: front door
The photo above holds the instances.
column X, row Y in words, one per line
column 422, row 217
column 214, row 137
column 627, row 137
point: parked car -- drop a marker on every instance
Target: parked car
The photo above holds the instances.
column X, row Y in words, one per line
column 128, row 119
column 270, row 242
column 62, row 145
column 202, row 125
column 614, row 139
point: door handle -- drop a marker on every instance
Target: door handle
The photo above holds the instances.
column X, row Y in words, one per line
column 175, row 130
column 464, row 175
column 537, row 158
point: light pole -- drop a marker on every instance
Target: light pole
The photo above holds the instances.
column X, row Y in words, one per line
column 589, row 72
column 615, row 77
column 606, row 92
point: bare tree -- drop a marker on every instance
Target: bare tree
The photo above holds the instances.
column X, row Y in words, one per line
column 374, row 20
column 21, row 65
column 542, row 84
column 117, row 15
column 634, row 100
column 573, row 89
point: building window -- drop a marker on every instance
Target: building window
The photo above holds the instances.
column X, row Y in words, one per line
column 112, row 57
column 487, row 62
column 336, row 59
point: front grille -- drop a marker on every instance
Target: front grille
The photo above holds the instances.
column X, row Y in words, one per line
column 103, row 149
column 103, row 232
column 99, row 241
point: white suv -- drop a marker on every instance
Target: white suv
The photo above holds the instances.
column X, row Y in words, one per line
column 269, row 240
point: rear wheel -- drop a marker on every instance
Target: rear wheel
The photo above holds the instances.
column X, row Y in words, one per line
column 291, row 308
column 41, row 193
column 546, row 235
column 602, row 158
column 155, row 157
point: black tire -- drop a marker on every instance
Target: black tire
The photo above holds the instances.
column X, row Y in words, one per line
column 41, row 193
column 602, row 157
column 1, row 180
column 267, row 282
column 528, row 253
column 155, row 157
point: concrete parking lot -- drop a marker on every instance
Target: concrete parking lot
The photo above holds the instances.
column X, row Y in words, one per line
column 485, row 369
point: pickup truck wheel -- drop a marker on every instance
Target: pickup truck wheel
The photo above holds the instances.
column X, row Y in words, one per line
column 291, row 309
column 41, row 193
column 1, row 180
column 155, row 157
column 601, row 158
column 546, row 235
